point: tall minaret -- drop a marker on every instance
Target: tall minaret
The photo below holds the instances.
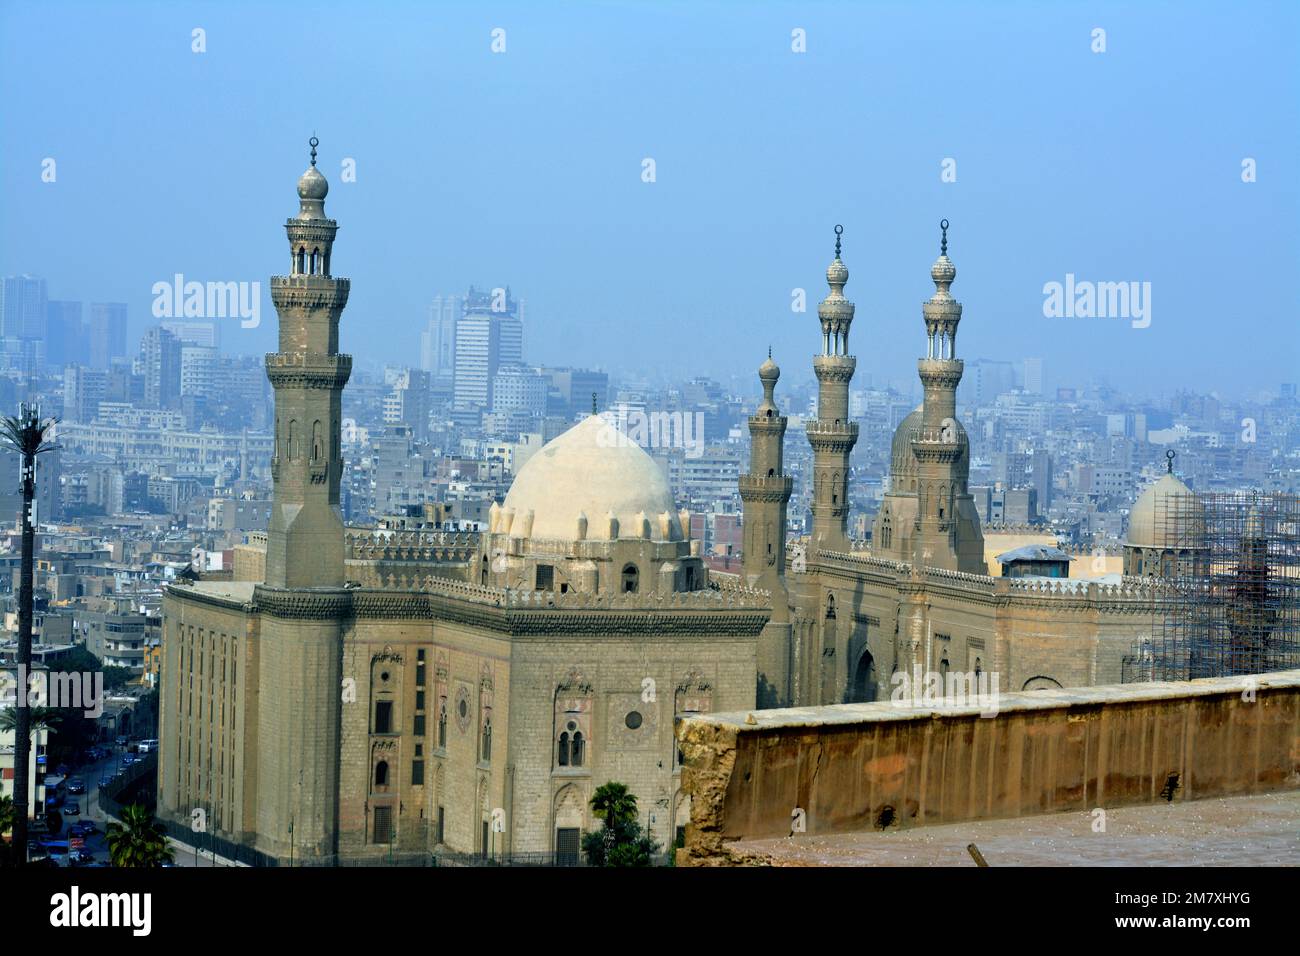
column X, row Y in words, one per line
column 305, row 537
column 947, row 524
column 833, row 436
column 765, row 492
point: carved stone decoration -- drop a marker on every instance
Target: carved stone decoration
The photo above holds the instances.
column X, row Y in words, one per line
column 462, row 708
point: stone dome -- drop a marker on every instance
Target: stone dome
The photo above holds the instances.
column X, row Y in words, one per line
column 312, row 185
column 592, row 471
column 902, row 463
column 1159, row 520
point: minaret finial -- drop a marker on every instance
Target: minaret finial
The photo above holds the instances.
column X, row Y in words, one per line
column 839, row 231
column 314, row 142
column 769, row 351
column 943, row 243
column 1170, row 455
column 593, row 403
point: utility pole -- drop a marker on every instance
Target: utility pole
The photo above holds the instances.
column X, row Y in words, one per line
column 26, row 433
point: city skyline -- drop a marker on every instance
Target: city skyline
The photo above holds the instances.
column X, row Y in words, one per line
column 740, row 213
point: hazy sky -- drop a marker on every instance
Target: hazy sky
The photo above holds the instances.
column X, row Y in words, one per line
column 525, row 167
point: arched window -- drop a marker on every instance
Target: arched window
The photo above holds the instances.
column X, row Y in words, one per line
column 830, row 607
column 578, row 745
column 771, row 473
column 301, row 262
column 562, row 756
column 317, row 450
column 629, row 579
column 442, row 725
column 381, row 773
column 487, row 740
column 315, row 261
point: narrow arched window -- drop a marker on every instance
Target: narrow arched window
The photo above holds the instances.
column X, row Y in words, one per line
column 487, row 740
column 578, row 743
column 629, row 579
column 562, row 756
column 381, row 773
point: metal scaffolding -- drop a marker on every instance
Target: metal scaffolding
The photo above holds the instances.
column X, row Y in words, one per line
column 1230, row 562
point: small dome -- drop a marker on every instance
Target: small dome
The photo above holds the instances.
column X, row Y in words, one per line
column 837, row 273
column 943, row 271
column 592, row 469
column 1160, row 520
column 312, row 185
column 769, row 370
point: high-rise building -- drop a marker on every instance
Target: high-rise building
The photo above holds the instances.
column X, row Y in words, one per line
column 488, row 335
column 518, row 388
column 1034, row 376
column 195, row 333
column 438, row 341
column 83, row 389
column 107, row 333
column 199, row 371
column 65, row 334
column 408, row 403
column 22, row 307
column 160, row 364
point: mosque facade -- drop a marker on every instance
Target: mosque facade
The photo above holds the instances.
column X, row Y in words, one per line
column 373, row 694
column 847, row 617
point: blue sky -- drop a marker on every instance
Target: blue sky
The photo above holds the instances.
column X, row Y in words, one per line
column 525, row 167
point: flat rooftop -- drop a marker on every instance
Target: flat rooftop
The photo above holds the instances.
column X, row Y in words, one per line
column 1259, row 830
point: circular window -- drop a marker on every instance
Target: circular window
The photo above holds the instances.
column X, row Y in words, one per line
column 572, row 726
column 633, row 719
column 384, row 677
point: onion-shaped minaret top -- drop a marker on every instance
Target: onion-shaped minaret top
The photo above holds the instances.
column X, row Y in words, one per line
column 312, row 188
column 835, row 311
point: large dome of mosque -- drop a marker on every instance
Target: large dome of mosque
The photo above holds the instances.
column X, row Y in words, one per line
column 593, row 470
column 1166, row 515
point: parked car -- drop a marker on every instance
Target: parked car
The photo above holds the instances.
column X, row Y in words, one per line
column 76, row 785
column 128, row 760
column 84, row 827
column 81, row 858
column 72, row 809
column 105, row 781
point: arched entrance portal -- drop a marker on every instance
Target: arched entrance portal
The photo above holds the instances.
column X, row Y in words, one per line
column 863, row 688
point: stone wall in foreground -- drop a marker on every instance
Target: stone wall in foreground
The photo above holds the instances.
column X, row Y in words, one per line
column 855, row 767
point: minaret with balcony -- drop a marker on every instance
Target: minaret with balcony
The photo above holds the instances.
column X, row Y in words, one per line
column 947, row 528
column 832, row 436
column 765, row 492
column 305, row 535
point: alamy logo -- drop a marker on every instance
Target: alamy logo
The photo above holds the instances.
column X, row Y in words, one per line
column 635, row 426
column 63, row 689
column 134, row 910
column 946, row 689
column 208, row 300
column 1084, row 299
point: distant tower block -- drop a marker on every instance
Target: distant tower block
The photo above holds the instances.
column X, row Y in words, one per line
column 305, row 535
column 832, row 436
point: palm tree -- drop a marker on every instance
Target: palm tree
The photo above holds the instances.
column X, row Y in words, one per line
column 29, row 436
column 138, row 840
column 6, row 824
column 621, row 841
